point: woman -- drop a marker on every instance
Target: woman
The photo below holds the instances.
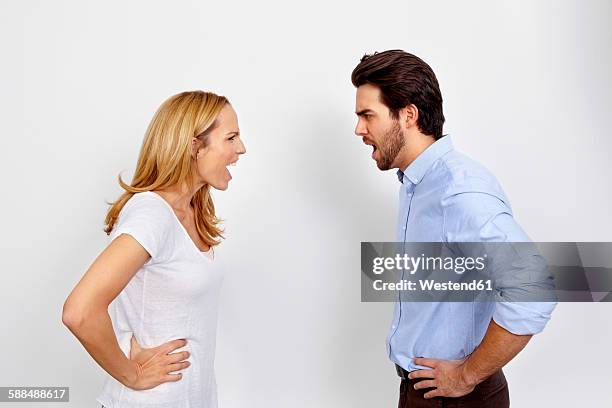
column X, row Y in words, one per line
column 159, row 265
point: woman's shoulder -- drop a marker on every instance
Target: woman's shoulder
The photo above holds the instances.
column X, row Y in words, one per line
column 147, row 206
column 147, row 200
column 148, row 219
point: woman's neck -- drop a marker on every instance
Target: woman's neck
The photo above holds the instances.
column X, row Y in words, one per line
column 179, row 197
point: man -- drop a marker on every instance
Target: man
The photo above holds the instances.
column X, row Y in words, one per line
column 445, row 352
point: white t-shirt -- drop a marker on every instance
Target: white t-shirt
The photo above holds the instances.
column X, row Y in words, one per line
column 173, row 296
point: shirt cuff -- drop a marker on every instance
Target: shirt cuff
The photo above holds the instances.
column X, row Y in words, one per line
column 523, row 318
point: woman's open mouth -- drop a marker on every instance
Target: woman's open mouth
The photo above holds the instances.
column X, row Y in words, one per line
column 227, row 169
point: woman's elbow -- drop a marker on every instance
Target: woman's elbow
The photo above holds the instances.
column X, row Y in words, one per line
column 75, row 313
column 72, row 316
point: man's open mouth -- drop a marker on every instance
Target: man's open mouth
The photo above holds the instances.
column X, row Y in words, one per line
column 374, row 148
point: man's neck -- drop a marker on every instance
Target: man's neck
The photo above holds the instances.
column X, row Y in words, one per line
column 416, row 145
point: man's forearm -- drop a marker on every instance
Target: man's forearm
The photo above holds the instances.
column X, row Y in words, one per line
column 497, row 348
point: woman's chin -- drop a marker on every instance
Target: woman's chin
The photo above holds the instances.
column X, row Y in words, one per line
column 221, row 181
column 222, row 186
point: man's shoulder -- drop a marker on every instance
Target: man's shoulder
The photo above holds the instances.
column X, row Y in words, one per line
column 462, row 174
column 462, row 168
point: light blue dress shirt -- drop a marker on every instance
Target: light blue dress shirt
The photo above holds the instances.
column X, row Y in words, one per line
column 447, row 197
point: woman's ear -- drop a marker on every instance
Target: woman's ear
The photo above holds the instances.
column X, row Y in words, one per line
column 196, row 145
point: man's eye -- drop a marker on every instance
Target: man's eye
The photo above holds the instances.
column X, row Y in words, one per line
column 232, row 138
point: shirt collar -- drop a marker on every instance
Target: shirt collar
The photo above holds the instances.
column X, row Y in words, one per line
column 417, row 169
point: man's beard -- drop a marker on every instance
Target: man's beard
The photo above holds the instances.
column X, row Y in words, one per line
column 392, row 143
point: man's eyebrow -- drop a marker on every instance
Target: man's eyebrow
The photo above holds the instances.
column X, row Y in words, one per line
column 363, row 112
column 234, row 133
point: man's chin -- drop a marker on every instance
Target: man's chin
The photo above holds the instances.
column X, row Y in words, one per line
column 382, row 166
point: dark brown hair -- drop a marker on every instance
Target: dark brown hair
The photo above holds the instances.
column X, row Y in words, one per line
column 404, row 79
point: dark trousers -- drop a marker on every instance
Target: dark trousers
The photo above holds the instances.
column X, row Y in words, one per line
column 491, row 393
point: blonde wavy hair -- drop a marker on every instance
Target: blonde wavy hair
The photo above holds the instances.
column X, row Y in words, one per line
column 165, row 157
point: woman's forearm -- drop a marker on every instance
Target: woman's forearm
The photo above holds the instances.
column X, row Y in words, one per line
column 95, row 332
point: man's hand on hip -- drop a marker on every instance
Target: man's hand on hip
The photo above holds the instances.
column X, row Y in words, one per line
column 448, row 377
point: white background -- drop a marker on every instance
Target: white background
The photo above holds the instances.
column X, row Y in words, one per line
column 527, row 92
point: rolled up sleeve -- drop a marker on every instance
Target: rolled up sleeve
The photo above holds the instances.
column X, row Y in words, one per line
column 524, row 287
column 523, row 317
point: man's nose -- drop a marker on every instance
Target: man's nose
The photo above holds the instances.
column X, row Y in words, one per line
column 361, row 129
column 241, row 148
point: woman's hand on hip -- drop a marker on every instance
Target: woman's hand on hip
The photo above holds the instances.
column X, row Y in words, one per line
column 152, row 366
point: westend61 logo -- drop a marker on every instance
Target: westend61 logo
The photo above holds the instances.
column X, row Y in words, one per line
column 413, row 264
